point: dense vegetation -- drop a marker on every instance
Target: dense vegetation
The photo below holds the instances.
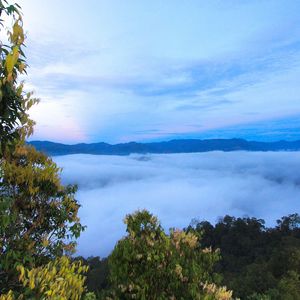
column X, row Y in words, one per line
column 255, row 262
column 39, row 225
column 38, row 215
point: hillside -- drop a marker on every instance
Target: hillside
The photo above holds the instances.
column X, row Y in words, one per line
column 173, row 146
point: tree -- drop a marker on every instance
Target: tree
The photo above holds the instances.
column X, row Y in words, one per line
column 97, row 273
column 257, row 262
column 59, row 279
column 15, row 124
column 38, row 215
column 149, row 264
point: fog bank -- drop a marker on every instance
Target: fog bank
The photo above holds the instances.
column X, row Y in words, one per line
column 178, row 188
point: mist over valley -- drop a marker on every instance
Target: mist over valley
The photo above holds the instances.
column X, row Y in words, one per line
column 178, row 188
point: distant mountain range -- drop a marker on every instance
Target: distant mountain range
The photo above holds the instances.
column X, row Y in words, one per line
column 173, row 146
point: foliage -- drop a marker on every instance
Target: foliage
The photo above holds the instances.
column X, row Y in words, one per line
column 257, row 262
column 8, row 296
column 149, row 264
column 97, row 274
column 90, row 296
column 59, row 279
column 38, row 216
column 15, row 123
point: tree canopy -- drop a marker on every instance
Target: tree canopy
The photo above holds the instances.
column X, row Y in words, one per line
column 38, row 215
column 257, row 262
column 150, row 264
column 15, row 123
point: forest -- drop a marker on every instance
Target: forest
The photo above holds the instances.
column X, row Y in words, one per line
column 39, row 226
column 254, row 261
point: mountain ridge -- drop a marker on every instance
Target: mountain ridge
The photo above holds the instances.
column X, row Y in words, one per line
column 171, row 146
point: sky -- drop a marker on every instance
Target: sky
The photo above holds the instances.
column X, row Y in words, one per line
column 137, row 70
column 178, row 188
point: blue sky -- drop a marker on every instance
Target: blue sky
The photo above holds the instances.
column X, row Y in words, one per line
column 118, row 71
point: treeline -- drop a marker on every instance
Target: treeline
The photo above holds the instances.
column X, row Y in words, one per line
column 256, row 262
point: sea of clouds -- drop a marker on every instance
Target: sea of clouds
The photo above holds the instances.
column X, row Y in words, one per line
column 178, row 188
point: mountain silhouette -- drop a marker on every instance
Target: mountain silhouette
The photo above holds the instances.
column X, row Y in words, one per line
column 173, row 146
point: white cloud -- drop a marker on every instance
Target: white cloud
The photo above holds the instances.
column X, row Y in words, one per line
column 178, row 188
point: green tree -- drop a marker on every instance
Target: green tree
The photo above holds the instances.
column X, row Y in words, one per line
column 257, row 262
column 150, row 264
column 97, row 273
column 15, row 123
column 59, row 279
column 38, row 215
